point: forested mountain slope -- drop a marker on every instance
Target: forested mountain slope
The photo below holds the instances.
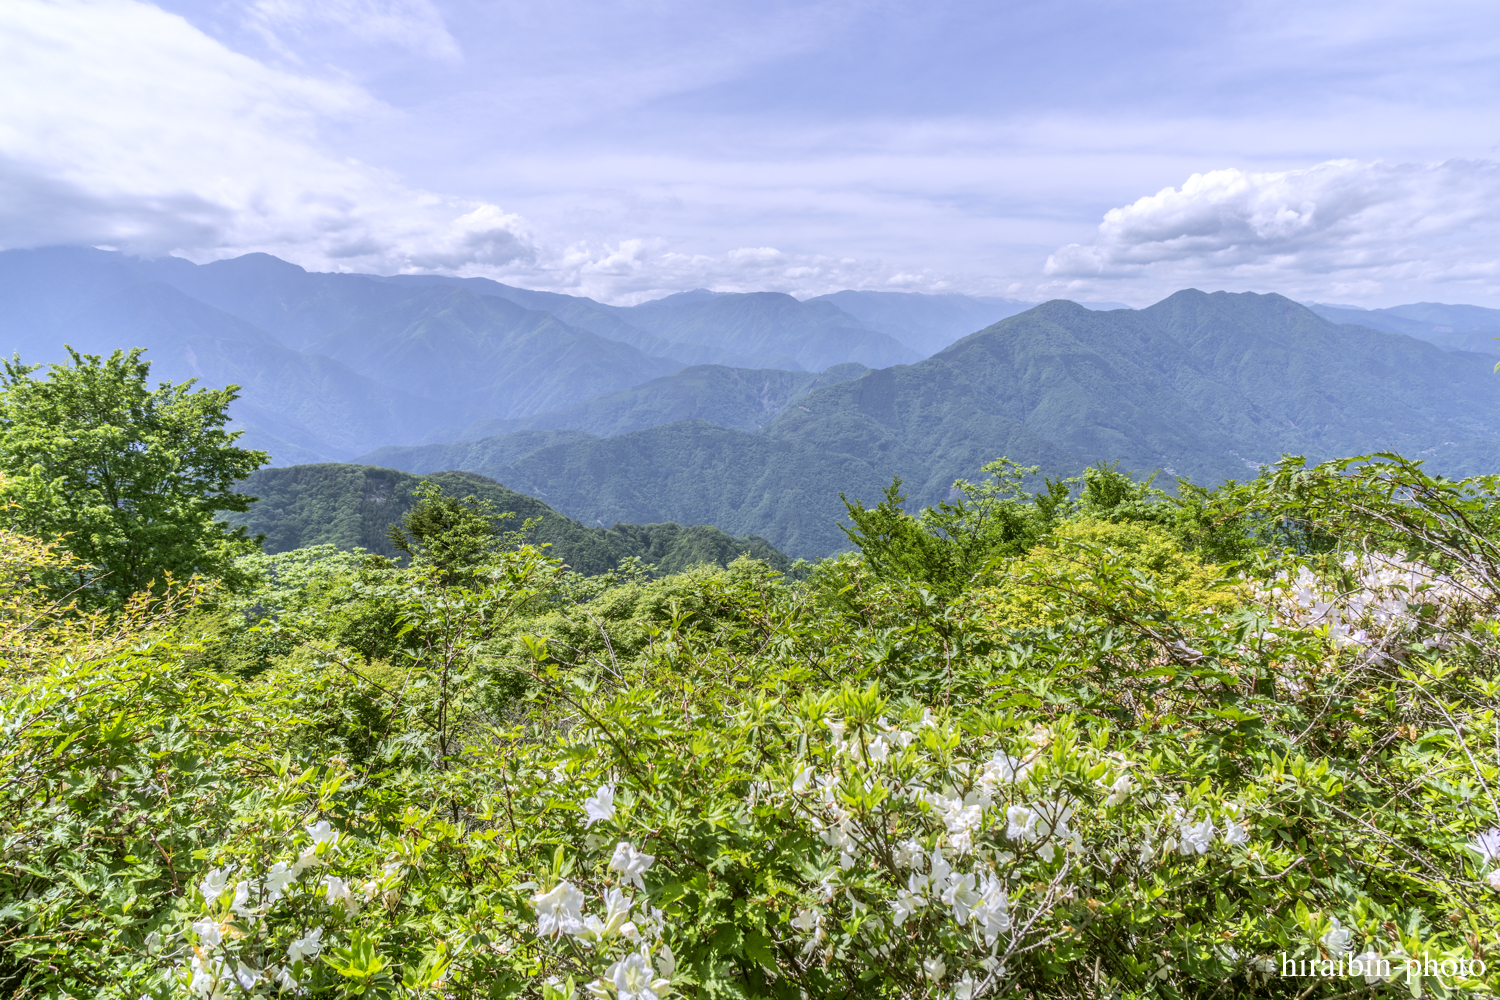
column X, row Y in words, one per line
column 355, row 505
column 1205, row 386
column 741, row 398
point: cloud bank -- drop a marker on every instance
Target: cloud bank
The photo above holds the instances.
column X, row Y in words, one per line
column 1340, row 226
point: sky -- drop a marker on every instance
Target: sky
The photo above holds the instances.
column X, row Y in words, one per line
column 1336, row 152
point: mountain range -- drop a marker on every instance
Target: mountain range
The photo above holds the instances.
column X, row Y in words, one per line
column 1451, row 327
column 332, row 365
column 1207, row 386
column 753, row 411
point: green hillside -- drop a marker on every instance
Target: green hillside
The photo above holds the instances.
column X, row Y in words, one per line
column 488, row 355
column 353, row 506
column 1203, row 386
column 741, row 398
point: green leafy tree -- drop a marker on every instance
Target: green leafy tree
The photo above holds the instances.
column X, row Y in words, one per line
column 131, row 478
column 453, row 537
column 945, row 546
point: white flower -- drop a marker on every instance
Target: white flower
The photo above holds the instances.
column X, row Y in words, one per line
column 906, row 904
column 277, row 879
column 1147, row 852
column 1021, row 823
column 803, row 779
column 214, row 883
column 632, row 978
column 1493, row 878
column 242, row 892
column 992, row 913
column 601, row 806
column 616, row 910
column 246, row 976
column 909, row 854
column 1120, row 790
column 206, row 977
column 961, row 896
column 1337, row 938
column 306, row 947
column 666, row 962
column 338, row 891
column 1369, row 961
column 808, row 919
column 208, row 933
column 1196, row 837
column 1486, row 844
column 961, row 820
column 1234, row 833
column 1003, row 767
column 322, row 832
column 286, row 980
column 935, row 968
column 964, row 988
column 630, row 863
column 306, row 860
column 559, row 910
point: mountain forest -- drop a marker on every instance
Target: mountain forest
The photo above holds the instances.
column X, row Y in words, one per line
column 426, row 637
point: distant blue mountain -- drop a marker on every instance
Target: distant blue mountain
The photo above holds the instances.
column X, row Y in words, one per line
column 1451, row 327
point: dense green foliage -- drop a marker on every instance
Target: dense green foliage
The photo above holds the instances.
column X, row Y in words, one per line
column 130, row 478
column 354, row 506
column 1206, row 387
column 1150, row 746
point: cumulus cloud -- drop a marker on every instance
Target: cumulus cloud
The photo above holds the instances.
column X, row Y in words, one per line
column 1339, row 224
column 128, row 127
column 636, row 270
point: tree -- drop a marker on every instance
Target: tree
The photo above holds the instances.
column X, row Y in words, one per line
column 945, row 546
column 130, row 478
column 452, row 536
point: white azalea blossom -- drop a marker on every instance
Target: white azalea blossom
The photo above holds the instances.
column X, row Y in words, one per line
column 1119, row 791
column 1337, row 938
column 559, row 911
column 209, row 933
column 1235, row 834
column 215, row 883
column 630, row 863
column 322, row 832
column 600, row 806
column 306, row 947
column 338, row 892
column 935, row 968
column 1196, row 838
column 1487, row 845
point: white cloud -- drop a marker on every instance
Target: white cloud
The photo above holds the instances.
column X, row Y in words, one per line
column 411, row 24
column 1342, row 224
column 126, row 126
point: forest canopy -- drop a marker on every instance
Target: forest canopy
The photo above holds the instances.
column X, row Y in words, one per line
column 1047, row 739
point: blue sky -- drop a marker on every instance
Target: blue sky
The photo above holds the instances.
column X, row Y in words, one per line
column 1341, row 152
